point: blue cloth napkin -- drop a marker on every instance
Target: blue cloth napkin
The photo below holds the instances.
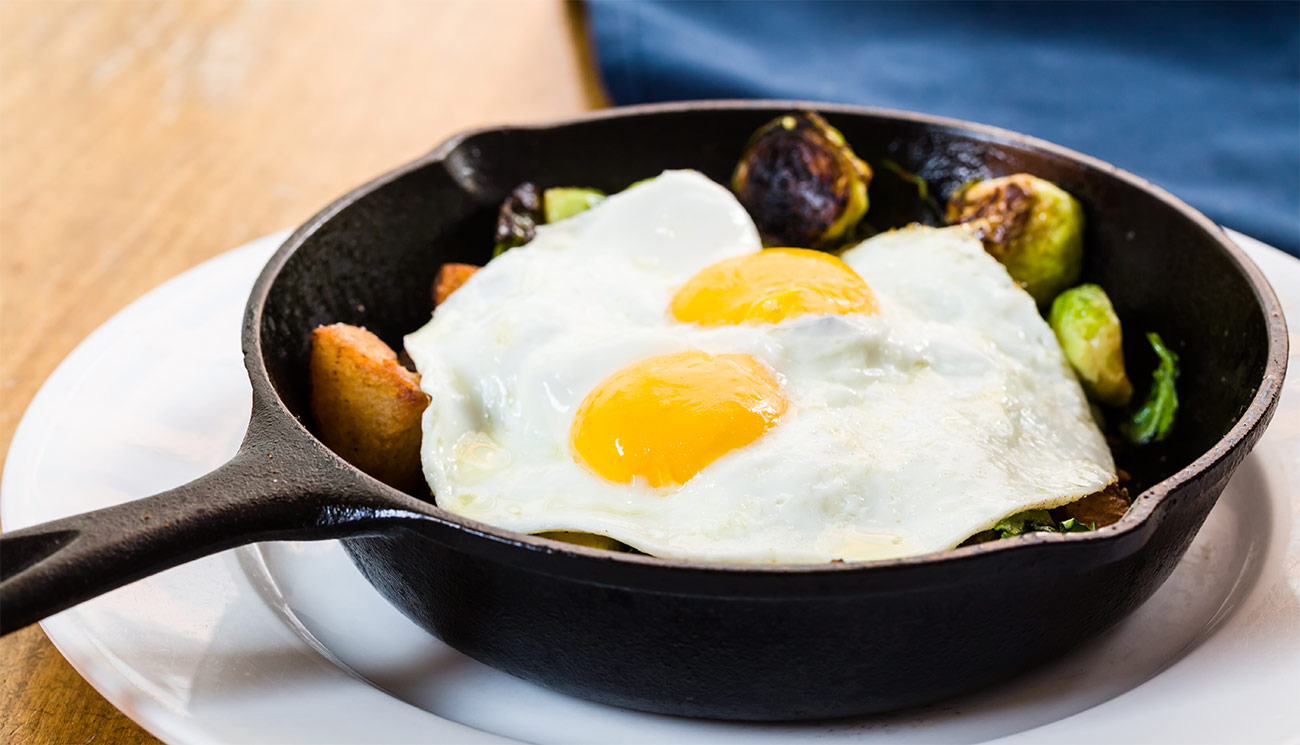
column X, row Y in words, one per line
column 1202, row 99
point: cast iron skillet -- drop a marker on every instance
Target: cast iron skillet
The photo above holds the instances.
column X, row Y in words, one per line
column 709, row 640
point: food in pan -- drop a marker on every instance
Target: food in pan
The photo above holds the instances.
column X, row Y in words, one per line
column 644, row 373
column 1090, row 335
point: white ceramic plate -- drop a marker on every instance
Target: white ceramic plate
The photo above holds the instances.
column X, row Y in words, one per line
column 286, row 643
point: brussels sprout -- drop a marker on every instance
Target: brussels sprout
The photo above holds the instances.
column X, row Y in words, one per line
column 1155, row 417
column 564, row 201
column 1102, row 508
column 517, row 221
column 801, row 182
column 1089, row 333
column 1030, row 225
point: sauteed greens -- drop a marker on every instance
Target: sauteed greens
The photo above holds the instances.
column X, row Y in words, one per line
column 1155, row 417
column 518, row 218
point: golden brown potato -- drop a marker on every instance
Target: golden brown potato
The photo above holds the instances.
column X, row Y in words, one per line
column 449, row 279
column 366, row 405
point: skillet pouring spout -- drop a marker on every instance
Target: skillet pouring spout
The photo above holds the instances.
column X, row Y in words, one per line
column 279, row 486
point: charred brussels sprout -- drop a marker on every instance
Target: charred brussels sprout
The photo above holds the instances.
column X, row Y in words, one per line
column 1089, row 333
column 563, row 202
column 1030, row 225
column 518, row 219
column 801, row 182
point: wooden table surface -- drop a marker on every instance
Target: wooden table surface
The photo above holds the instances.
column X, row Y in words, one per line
column 139, row 138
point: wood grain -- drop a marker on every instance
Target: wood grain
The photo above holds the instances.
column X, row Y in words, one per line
column 139, row 138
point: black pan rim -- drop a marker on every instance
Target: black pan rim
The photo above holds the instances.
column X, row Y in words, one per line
column 1130, row 531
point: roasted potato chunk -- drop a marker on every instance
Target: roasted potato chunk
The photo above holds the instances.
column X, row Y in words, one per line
column 366, row 405
column 449, row 279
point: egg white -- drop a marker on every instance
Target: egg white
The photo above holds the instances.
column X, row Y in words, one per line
column 906, row 432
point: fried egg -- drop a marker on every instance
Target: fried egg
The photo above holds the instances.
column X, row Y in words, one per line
column 647, row 371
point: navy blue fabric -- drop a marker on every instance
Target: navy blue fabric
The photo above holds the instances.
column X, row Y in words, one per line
column 1202, row 99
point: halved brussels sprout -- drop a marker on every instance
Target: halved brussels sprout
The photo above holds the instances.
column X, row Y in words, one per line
column 801, row 182
column 1089, row 333
column 518, row 218
column 563, row 202
column 1030, row 225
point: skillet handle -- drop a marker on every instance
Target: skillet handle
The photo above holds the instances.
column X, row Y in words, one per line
column 275, row 488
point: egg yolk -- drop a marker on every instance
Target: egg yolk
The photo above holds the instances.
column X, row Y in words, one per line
column 665, row 418
column 771, row 286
